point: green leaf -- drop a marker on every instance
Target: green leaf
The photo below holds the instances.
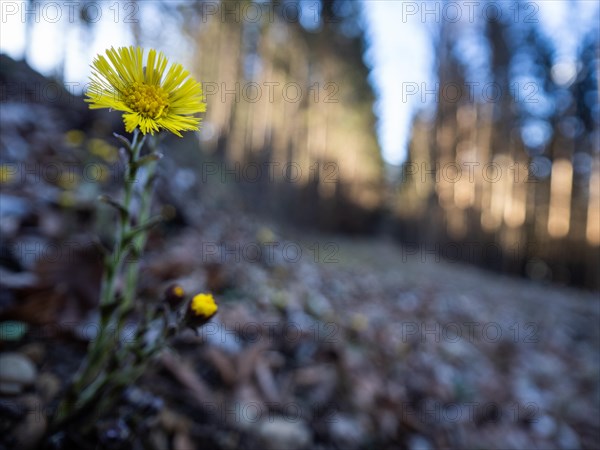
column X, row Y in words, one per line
column 123, row 139
column 120, row 208
column 150, row 158
column 143, row 227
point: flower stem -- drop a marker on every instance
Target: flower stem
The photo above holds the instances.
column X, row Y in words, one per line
column 139, row 240
column 91, row 375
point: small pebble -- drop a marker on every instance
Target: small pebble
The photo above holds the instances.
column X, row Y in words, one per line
column 567, row 438
column 417, row 442
column 276, row 433
column 348, row 431
column 544, row 427
column 16, row 372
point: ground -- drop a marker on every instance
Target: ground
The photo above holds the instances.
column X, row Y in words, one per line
column 352, row 343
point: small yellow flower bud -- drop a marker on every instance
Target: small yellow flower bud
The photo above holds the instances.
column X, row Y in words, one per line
column 201, row 309
column 174, row 295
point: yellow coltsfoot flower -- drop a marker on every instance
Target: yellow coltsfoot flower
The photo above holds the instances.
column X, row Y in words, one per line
column 150, row 99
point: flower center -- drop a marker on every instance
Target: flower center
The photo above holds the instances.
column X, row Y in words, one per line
column 148, row 100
